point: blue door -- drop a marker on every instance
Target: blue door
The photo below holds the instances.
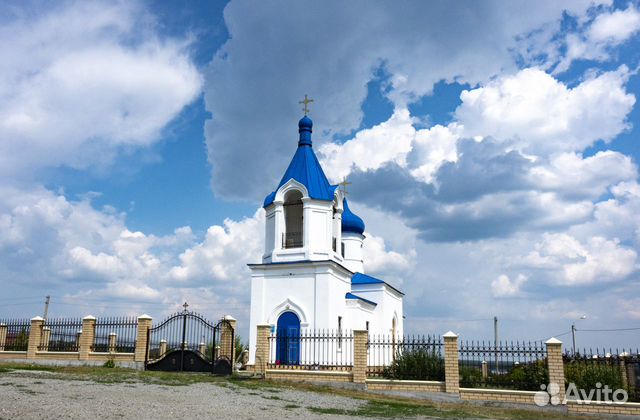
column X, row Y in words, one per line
column 288, row 339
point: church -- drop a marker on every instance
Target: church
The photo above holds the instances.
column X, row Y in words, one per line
column 312, row 275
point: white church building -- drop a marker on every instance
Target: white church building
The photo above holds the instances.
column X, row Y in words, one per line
column 311, row 276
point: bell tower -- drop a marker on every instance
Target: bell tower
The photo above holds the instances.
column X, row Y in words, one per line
column 304, row 213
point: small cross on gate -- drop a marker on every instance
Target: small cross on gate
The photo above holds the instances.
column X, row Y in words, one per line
column 344, row 184
column 185, row 306
column 306, row 101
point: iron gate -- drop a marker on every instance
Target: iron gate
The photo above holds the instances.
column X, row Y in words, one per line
column 186, row 341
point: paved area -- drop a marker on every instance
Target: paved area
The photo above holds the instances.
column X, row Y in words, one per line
column 37, row 395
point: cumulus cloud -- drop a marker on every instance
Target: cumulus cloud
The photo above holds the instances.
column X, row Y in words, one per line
column 503, row 286
column 594, row 40
column 597, row 260
column 540, row 115
column 332, row 57
column 82, row 81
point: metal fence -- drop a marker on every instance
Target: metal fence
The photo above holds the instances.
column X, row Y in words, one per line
column 61, row 334
column 409, row 357
column 115, row 335
column 311, row 349
column 514, row 365
column 14, row 334
column 591, row 370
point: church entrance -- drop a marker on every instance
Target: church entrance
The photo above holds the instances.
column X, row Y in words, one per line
column 288, row 339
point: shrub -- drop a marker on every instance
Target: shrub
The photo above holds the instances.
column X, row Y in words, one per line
column 586, row 374
column 470, row 376
column 526, row 377
column 110, row 363
column 418, row 364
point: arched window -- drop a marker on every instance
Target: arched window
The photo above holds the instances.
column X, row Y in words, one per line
column 293, row 220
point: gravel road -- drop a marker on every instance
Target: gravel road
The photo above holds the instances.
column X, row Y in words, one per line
column 39, row 395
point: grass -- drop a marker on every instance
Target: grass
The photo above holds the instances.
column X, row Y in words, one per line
column 373, row 405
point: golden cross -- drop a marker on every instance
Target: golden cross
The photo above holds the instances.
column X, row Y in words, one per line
column 344, row 184
column 306, row 101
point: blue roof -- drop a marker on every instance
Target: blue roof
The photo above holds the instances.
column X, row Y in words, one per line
column 359, row 278
column 306, row 169
column 352, row 296
column 350, row 221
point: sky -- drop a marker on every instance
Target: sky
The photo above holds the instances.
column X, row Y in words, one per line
column 492, row 149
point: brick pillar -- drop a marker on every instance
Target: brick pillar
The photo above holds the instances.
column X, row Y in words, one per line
column 144, row 324
column 556, row 367
column 46, row 336
column 485, row 370
column 113, row 340
column 35, row 335
column 227, row 337
column 163, row 348
column 87, row 337
column 3, row 336
column 360, row 339
column 451, row 364
column 262, row 348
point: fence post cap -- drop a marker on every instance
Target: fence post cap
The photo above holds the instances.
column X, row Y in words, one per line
column 553, row 340
column 450, row 334
column 163, row 341
column 112, row 333
column 37, row 318
column 46, row 329
column 2, row 324
column 89, row 318
column 229, row 318
column 145, row 316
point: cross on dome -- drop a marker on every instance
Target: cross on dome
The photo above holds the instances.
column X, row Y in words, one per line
column 344, row 184
column 306, row 101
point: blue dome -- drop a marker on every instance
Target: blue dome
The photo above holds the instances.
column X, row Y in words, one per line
column 350, row 221
column 305, row 123
column 305, row 126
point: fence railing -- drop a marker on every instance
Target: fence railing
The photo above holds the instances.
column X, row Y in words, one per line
column 311, row 349
column 618, row 369
column 409, row 357
column 14, row 334
column 514, row 365
column 115, row 335
column 61, row 334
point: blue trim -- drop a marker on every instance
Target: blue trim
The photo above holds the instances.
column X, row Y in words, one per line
column 360, row 278
column 355, row 297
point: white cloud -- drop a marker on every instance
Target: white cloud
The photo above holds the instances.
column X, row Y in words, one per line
column 615, row 27
column 541, row 115
column 389, row 141
column 503, row 286
column 224, row 253
column 577, row 263
column 332, row 56
column 84, row 80
column 594, row 41
column 385, row 263
column 572, row 174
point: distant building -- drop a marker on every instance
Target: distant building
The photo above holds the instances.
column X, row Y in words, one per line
column 312, row 271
